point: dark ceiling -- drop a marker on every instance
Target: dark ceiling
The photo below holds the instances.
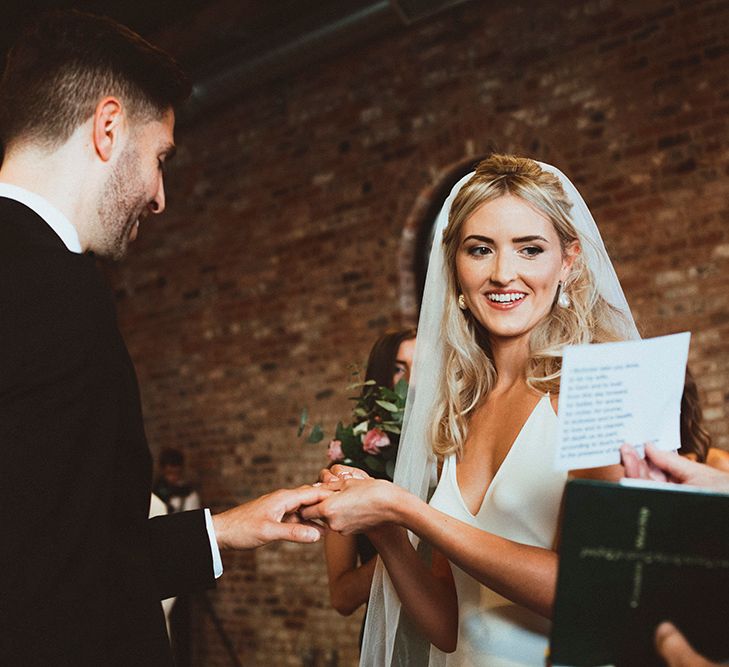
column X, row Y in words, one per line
column 228, row 46
column 220, row 26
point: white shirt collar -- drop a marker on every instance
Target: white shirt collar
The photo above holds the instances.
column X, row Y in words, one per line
column 58, row 222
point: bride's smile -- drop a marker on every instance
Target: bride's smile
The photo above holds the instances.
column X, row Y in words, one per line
column 505, row 300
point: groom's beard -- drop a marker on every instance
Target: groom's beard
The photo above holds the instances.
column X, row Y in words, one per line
column 122, row 203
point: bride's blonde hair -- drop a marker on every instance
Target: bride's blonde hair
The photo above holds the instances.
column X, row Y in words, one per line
column 469, row 372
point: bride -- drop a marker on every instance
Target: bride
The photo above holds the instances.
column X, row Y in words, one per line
column 521, row 272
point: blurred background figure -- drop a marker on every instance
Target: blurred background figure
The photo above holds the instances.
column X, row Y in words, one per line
column 170, row 485
column 351, row 558
column 157, row 507
column 178, row 495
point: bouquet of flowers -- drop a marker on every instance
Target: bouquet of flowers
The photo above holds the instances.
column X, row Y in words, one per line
column 370, row 440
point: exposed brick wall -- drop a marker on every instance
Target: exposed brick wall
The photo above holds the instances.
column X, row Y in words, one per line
column 277, row 262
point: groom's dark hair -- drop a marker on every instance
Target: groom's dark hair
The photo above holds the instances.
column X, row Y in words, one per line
column 66, row 61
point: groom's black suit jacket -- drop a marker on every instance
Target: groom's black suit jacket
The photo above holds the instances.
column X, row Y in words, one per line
column 82, row 569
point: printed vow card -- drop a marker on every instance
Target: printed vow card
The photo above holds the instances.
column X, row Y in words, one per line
column 615, row 393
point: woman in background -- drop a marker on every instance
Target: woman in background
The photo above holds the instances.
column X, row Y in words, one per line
column 351, row 558
column 695, row 439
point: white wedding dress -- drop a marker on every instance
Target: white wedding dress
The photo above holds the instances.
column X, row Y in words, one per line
column 522, row 504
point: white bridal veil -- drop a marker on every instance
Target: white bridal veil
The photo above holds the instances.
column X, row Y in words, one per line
column 416, row 465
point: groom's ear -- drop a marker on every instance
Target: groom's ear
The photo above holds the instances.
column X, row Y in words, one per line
column 108, row 121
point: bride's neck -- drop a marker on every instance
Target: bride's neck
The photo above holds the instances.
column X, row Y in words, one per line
column 510, row 356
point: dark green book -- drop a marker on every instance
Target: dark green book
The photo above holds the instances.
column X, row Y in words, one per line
column 631, row 557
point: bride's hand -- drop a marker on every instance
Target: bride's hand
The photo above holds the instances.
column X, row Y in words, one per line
column 359, row 505
column 340, row 472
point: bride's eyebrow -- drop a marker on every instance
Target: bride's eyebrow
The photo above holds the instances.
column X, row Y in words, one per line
column 520, row 239
column 478, row 237
column 529, row 239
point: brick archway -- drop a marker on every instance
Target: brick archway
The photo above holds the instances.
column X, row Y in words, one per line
column 415, row 231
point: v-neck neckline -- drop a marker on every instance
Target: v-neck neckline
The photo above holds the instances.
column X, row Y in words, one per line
column 487, row 493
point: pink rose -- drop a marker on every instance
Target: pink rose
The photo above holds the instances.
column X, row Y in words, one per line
column 335, row 452
column 374, row 440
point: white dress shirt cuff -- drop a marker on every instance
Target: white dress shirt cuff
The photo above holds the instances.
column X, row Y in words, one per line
column 217, row 562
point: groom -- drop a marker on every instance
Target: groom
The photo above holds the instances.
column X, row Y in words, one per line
column 86, row 123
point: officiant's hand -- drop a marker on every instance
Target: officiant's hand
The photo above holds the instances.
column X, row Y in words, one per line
column 356, row 504
column 641, row 468
column 270, row 518
column 670, row 467
column 676, row 651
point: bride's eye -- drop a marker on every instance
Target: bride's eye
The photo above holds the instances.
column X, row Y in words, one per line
column 532, row 251
column 479, row 250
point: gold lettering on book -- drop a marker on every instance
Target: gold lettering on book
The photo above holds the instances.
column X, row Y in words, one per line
column 640, row 539
column 643, row 517
column 654, row 557
column 640, row 557
column 637, row 585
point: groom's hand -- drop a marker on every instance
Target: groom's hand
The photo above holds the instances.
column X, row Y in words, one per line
column 270, row 518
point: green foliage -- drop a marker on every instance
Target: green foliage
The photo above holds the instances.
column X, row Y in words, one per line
column 377, row 414
column 316, row 435
column 374, row 463
column 303, row 418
